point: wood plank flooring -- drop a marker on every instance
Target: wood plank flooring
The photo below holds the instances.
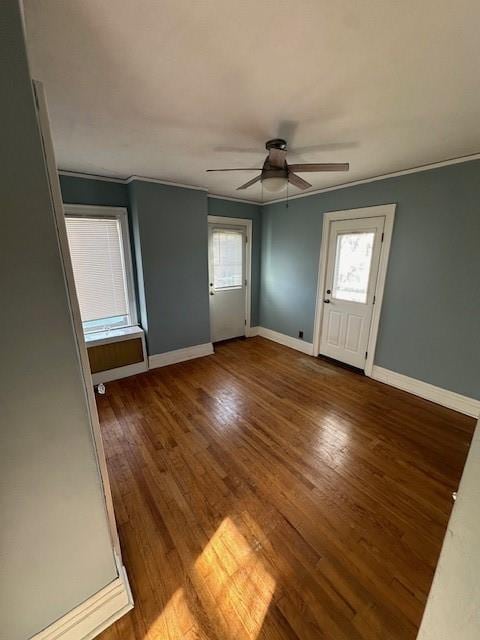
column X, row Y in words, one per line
column 262, row 493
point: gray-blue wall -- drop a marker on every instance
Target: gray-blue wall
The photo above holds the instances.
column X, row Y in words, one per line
column 55, row 548
column 157, row 213
column 231, row 209
column 78, row 190
column 430, row 322
column 171, row 251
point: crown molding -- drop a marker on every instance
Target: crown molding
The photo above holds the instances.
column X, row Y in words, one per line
column 165, row 182
column 231, row 199
column 345, row 185
column 383, row 176
column 90, row 176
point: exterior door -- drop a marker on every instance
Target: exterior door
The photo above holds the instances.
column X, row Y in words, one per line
column 227, row 284
column 349, row 295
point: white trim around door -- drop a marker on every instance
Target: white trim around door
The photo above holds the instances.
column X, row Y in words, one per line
column 247, row 223
column 59, row 220
column 388, row 212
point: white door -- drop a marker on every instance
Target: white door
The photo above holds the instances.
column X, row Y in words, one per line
column 349, row 294
column 227, row 283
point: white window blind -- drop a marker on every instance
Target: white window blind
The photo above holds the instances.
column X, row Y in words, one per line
column 98, row 262
column 227, row 258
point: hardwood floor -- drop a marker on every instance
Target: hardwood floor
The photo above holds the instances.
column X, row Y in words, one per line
column 262, row 493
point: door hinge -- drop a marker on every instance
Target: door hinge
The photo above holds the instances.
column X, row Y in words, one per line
column 366, row 354
column 245, row 323
column 374, row 299
column 246, row 282
column 246, row 239
column 383, row 235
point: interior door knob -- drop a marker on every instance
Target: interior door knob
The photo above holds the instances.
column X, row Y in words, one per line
column 327, row 301
column 212, row 293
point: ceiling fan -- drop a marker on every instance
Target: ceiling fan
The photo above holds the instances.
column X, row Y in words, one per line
column 276, row 173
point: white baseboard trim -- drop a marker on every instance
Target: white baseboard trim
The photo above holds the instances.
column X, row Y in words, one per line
column 180, row 355
column 119, row 372
column 287, row 341
column 450, row 399
column 251, row 332
column 94, row 615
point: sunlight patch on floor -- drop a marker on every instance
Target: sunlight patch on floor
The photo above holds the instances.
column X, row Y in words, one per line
column 175, row 621
column 234, row 591
column 236, row 582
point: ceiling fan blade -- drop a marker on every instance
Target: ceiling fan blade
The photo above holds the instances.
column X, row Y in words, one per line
column 242, row 169
column 250, row 182
column 276, row 158
column 297, row 181
column 320, row 166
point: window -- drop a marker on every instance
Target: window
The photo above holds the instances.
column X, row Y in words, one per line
column 352, row 266
column 100, row 254
column 227, row 258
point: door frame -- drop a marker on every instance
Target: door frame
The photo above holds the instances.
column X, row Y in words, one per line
column 61, row 231
column 247, row 223
column 387, row 211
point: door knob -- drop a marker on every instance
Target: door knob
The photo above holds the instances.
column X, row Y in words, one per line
column 212, row 293
column 327, row 301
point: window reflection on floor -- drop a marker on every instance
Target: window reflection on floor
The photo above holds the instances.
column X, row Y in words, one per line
column 234, row 588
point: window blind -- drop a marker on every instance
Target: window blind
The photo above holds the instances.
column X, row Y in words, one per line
column 98, row 266
column 227, row 258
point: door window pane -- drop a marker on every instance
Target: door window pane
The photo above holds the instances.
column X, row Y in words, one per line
column 227, row 258
column 352, row 266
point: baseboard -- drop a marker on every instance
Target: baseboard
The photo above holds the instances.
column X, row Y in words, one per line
column 450, row 399
column 94, row 615
column 119, row 372
column 180, row 355
column 251, row 332
column 287, row 341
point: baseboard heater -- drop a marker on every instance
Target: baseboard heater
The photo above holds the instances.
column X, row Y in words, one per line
column 116, row 354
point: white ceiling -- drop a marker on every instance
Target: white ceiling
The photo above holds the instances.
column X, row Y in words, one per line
column 163, row 89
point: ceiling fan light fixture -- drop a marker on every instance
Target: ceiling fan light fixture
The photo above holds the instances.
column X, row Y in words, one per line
column 274, row 184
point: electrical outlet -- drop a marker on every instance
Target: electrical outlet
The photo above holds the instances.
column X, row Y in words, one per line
column 300, row 334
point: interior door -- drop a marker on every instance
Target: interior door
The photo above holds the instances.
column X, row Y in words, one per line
column 351, row 275
column 227, row 284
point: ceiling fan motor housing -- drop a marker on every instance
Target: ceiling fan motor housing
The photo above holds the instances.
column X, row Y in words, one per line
column 276, row 143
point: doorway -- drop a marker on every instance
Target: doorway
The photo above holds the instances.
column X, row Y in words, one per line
column 229, row 242
column 353, row 264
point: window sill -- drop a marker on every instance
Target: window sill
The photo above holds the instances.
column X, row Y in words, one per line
column 113, row 335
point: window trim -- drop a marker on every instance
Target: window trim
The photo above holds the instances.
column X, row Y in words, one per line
column 120, row 214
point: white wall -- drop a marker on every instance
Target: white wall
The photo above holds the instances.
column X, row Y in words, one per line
column 453, row 607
